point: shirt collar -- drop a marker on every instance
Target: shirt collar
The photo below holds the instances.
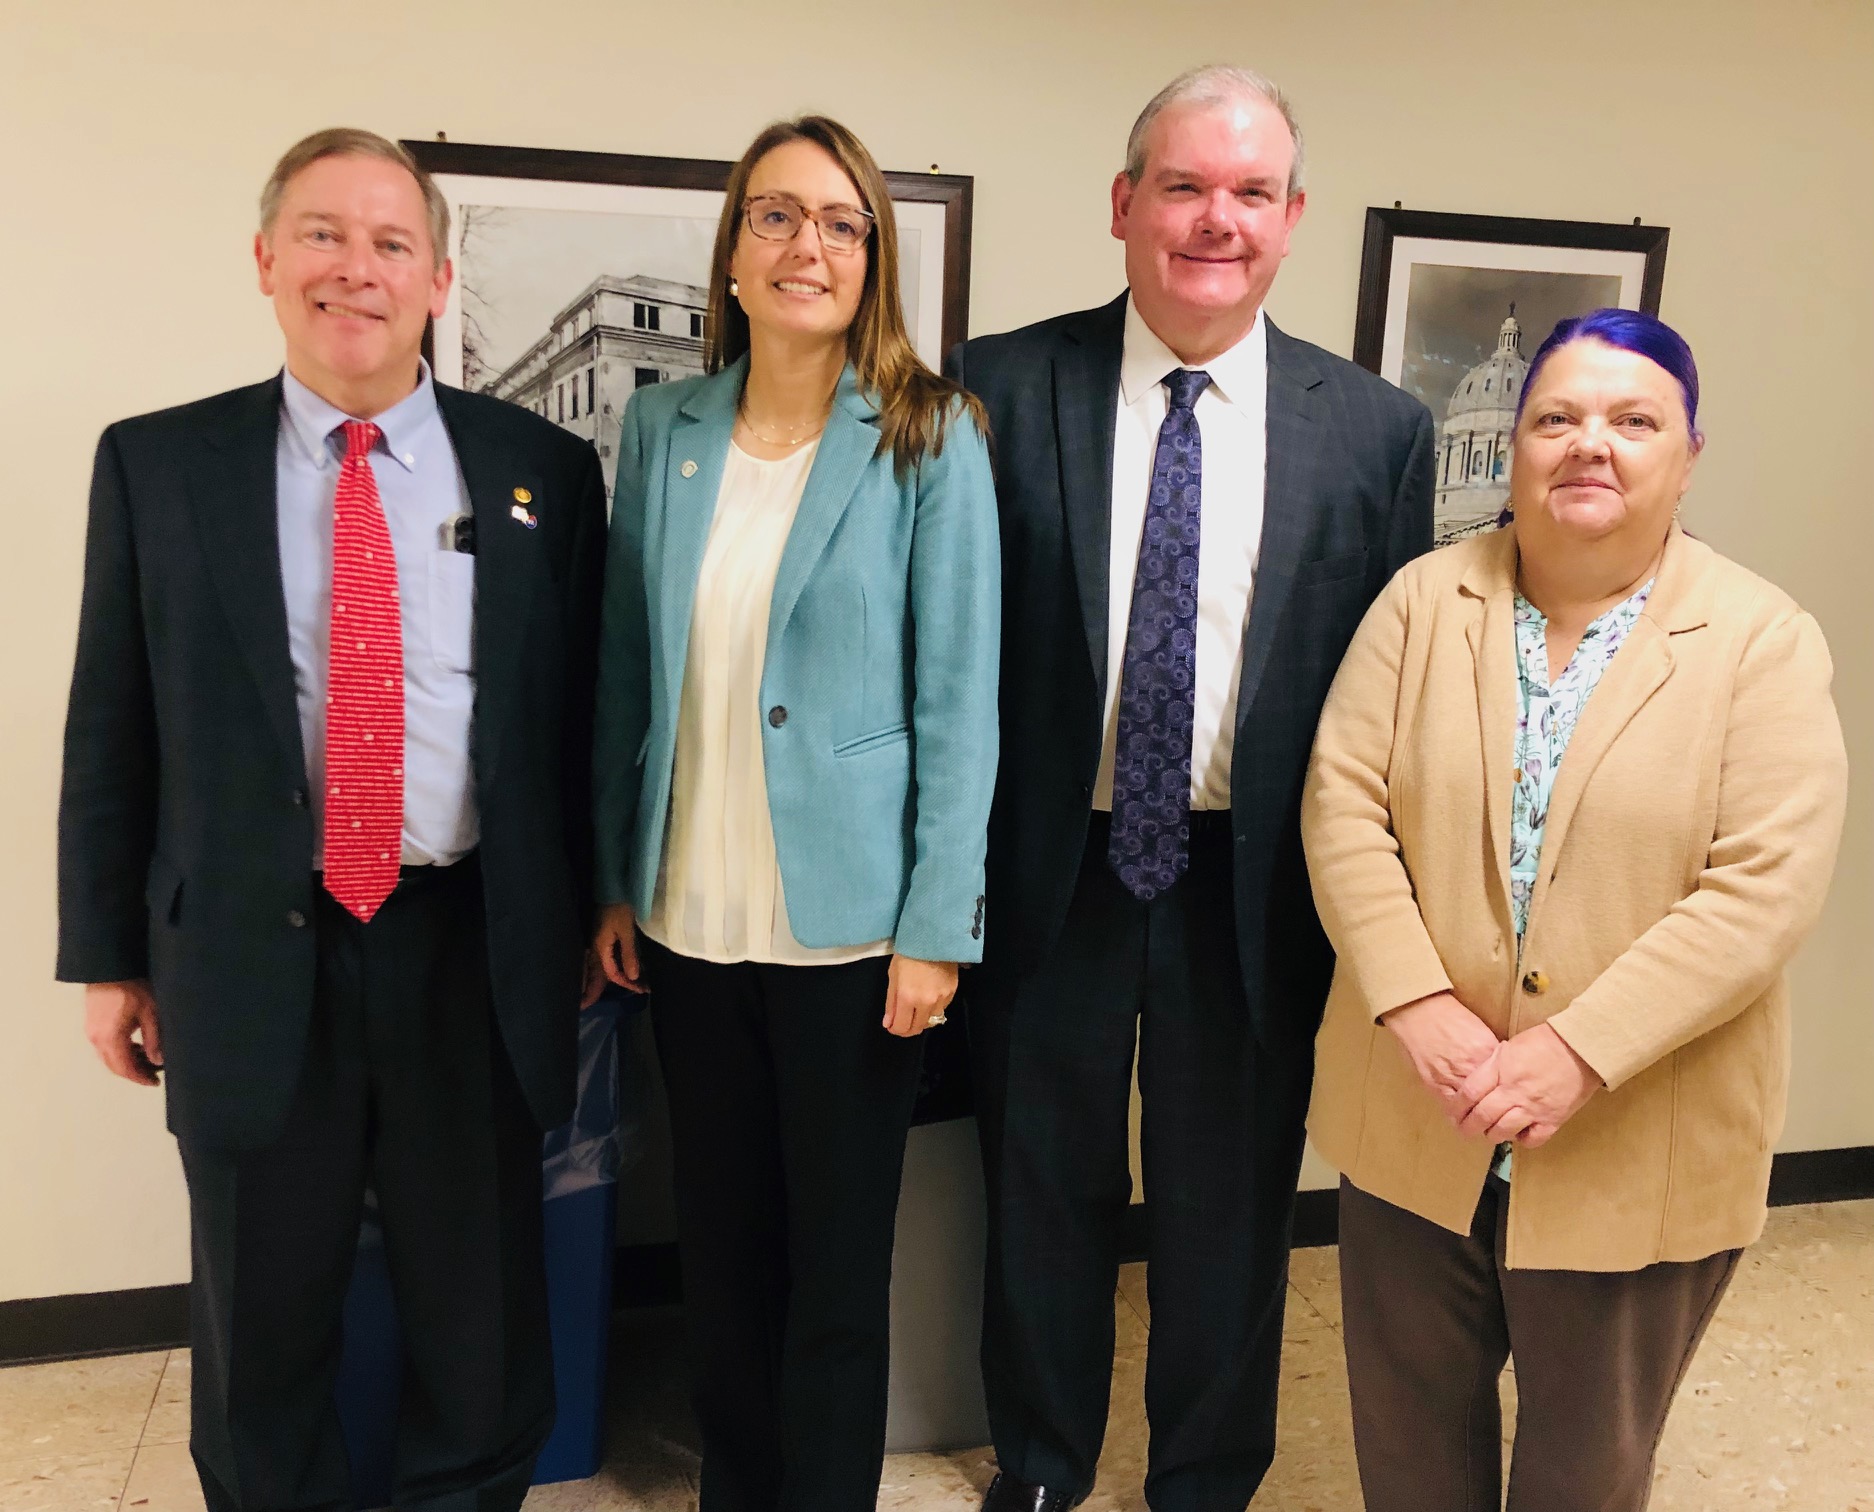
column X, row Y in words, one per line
column 407, row 425
column 1236, row 376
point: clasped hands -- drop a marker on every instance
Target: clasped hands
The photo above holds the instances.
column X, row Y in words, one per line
column 1522, row 1089
column 917, row 993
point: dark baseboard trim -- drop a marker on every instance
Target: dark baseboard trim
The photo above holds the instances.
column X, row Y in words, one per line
column 1317, row 1218
column 1133, row 1232
column 1317, row 1222
column 1796, row 1177
column 1822, row 1176
column 37, row 1329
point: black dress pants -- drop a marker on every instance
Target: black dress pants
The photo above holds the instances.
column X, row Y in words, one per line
column 789, row 1108
column 1221, row 1144
column 406, row 1089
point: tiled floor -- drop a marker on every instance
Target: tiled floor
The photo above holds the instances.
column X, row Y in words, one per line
column 1777, row 1412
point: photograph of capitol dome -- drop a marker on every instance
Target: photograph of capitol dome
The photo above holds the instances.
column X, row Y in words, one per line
column 1468, row 338
column 1452, row 307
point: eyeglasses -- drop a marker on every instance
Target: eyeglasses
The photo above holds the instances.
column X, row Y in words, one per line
column 779, row 217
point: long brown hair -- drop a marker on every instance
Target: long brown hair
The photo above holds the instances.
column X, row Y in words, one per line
column 915, row 405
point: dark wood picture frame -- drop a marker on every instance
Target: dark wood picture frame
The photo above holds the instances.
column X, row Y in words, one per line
column 955, row 192
column 1446, row 305
column 1385, row 227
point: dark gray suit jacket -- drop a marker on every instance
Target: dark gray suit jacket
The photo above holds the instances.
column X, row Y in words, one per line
column 185, row 839
column 1348, row 501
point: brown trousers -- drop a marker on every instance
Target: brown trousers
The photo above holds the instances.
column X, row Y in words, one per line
column 1431, row 1317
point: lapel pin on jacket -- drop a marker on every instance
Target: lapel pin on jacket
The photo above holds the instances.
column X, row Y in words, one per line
column 522, row 498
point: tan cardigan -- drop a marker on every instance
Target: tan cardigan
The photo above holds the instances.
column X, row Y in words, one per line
column 1689, row 843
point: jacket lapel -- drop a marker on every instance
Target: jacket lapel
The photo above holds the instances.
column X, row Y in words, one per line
column 1297, row 426
column 1086, row 400
column 1639, row 669
column 1491, row 635
column 509, row 565
column 684, row 506
column 847, row 445
column 235, row 503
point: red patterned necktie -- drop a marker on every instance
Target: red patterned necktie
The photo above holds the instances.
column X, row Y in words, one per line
column 364, row 688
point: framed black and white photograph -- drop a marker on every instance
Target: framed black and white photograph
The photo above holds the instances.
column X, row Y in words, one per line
column 581, row 276
column 1453, row 306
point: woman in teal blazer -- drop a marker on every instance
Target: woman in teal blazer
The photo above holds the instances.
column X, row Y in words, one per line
column 795, row 757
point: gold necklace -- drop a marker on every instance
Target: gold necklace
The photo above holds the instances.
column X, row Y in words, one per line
column 794, row 435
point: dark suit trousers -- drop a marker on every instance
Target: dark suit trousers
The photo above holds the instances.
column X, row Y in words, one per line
column 1431, row 1316
column 1221, row 1144
column 789, row 1108
column 407, row 1089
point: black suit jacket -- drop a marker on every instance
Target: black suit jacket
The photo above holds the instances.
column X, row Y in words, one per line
column 1348, row 501
column 185, row 839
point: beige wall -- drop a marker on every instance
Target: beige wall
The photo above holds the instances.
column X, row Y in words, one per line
column 137, row 135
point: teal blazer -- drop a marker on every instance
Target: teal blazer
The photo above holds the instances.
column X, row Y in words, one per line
column 878, row 685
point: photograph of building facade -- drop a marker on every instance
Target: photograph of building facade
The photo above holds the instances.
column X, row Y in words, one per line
column 618, row 335
column 1463, row 356
column 570, row 297
column 1474, row 440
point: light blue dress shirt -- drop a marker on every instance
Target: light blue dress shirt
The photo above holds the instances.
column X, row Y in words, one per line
column 422, row 490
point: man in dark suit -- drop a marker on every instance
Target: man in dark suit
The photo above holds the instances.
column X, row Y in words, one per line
column 1196, row 511
column 323, row 843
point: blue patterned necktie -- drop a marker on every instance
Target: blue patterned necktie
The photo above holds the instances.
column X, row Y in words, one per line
column 1151, row 836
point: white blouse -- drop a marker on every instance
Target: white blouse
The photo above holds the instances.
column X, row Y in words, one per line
column 719, row 884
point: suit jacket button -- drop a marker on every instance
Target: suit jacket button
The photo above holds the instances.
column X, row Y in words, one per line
column 777, row 716
column 1535, row 983
column 976, row 931
column 295, row 918
column 299, row 797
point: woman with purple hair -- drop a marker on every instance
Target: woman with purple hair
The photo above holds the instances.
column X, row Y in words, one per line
column 1575, row 800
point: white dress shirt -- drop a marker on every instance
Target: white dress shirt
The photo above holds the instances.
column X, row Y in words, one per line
column 719, row 892
column 1233, row 421
column 420, row 487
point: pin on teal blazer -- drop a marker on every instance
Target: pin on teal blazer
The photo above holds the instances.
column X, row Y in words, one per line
column 878, row 686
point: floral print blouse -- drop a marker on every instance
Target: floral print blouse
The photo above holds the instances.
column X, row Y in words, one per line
column 1546, row 717
column 1547, row 713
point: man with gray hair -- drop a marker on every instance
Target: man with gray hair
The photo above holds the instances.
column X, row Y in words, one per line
column 1196, row 511
column 324, row 843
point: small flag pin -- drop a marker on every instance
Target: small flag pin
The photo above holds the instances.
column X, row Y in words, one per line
column 522, row 513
